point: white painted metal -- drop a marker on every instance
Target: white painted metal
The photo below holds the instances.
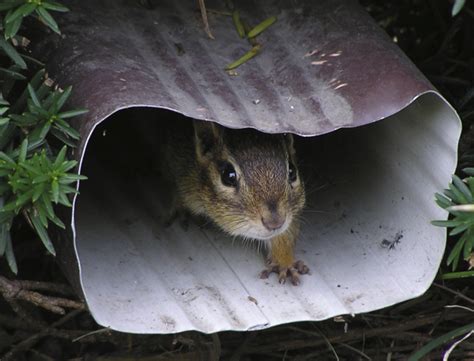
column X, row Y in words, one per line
column 379, row 181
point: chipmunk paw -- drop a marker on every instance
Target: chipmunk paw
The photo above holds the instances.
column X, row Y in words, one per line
column 284, row 273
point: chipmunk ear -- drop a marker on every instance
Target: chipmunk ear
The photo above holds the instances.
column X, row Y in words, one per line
column 207, row 137
column 289, row 141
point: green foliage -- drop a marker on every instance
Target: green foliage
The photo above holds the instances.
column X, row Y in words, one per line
column 457, row 7
column 440, row 341
column 35, row 173
column 458, row 200
column 18, row 9
column 245, row 31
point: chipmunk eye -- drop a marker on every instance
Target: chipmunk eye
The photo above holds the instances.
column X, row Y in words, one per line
column 292, row 173
column 228, row 175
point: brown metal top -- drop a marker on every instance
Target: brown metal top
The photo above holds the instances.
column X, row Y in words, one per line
column 324, row 65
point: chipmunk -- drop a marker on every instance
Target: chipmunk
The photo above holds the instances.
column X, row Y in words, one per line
column 244, row 181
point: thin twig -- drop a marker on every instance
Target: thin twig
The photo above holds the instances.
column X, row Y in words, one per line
column 390, row 353
column 240, row 351
column 207, row 29
column 32, row 340
column 355, row 350
column 356, row 334
column 331, row 347
column 216, row 348
column 25, row 316
column 15, row 290
column 454, row 345
column 41, row 356
column 61, row 289
column 95, row 332
column 459, row 294
column 461, row 307
column 20, row 323
column 443, row 313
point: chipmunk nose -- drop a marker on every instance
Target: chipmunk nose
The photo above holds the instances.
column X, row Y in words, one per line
column 273, row 221
column 272, row 218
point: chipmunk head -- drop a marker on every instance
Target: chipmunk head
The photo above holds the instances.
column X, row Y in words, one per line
column 249, row 180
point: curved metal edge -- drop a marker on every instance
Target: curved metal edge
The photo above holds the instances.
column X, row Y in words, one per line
column 254, row 327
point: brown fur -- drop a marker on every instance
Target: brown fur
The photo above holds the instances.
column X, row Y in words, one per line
column 193, row 160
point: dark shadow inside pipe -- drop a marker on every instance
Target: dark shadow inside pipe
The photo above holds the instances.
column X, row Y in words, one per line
column 126, row 145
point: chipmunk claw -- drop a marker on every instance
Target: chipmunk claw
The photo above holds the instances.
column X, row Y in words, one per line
column 293, row 273
column 301, row 267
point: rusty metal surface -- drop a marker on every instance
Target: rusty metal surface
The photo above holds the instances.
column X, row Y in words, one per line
column 325, row 65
